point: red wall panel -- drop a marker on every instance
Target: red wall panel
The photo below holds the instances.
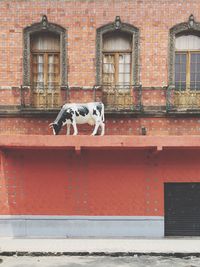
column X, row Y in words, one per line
column 107, row 182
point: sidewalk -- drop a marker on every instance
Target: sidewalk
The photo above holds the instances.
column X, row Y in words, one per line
column 105, row 246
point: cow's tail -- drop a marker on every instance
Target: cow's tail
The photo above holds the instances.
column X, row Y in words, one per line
column 102, row 112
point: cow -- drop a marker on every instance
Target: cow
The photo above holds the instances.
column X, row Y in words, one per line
column 76, row 113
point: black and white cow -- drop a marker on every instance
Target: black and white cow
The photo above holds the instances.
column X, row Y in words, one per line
column 73, row 114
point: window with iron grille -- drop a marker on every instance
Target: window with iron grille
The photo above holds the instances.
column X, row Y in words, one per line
column 117, row 65
column 117, row 70
column 187, row 62
column 44, row 64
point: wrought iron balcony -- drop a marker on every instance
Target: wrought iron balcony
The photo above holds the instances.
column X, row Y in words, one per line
column 42, row 97
column 115, row 98
column 119, row 97
column 183, row 99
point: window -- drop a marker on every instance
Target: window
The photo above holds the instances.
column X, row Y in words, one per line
column 45, row 53
column 117, row 52
column 187, row 62
column 44, row 64
column 183, row 92
column 117, row 64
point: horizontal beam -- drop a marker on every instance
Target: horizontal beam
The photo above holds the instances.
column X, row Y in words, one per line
column 80, row 142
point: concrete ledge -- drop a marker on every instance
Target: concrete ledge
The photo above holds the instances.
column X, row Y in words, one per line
column 81, row 226
column 98, row 142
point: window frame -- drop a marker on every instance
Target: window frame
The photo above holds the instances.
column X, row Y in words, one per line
column 188, row 54
column 45, row 54
column 116, row 55
column 190, row 27
column 117, row 25
column 44, row 26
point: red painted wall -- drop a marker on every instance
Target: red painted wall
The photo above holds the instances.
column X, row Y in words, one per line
column 107, row 182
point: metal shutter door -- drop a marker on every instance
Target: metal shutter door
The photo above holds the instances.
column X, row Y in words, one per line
column 182, row 209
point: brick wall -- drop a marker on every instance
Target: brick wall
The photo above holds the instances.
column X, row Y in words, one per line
column 154, row 18
column 114, row 126
column 81, row 18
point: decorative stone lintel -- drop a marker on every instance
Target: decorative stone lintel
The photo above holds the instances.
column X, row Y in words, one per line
column 118, row 23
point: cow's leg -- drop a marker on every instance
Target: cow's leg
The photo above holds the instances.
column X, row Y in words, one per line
column 102, row 128
column 96, row 127
column 75, row 128
column 68, row 129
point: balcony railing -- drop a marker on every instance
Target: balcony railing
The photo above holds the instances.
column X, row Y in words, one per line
column 43, row 97
column 183, row 100
column 119, row 97
column 115, row 98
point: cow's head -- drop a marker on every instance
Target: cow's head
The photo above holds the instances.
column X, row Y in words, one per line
column 55, row 127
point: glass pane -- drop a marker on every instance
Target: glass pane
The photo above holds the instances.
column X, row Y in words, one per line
column 53, row 70
column 177, row 58
column 51, row 76
column 194, row 71
column 124, row 68
column 127, row 68
column 108, row 58
column 38, row 71
column 198, row 77
column 193, row 58
column 127, row 58
column 177, row 77
column 180, row 71
column 192, row 85
column 121, row 68
column 108, row 68
column 108, row 64
column 192, row 67
column 124, row 79
column 177, row 68
column 180, row 85
column 121, row 78
column 127, row 78
column 121, row 59
column 183, row 77
column 197, row 86
column 192, row 77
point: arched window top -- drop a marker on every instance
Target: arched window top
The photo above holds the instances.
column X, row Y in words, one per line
column 187, row 42
column 117, row 41
column 45, row 41
column 44, row 26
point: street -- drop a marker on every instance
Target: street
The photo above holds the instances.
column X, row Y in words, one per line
column 98, row 261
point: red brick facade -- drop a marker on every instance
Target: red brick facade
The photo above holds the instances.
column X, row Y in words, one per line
column 122, row 173
column 81, row 19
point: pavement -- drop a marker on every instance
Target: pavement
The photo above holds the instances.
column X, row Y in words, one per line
column 96, row 246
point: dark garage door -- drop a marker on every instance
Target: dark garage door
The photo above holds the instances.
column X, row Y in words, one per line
column 182, row 209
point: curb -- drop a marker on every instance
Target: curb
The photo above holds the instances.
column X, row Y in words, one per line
column 108, row 254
